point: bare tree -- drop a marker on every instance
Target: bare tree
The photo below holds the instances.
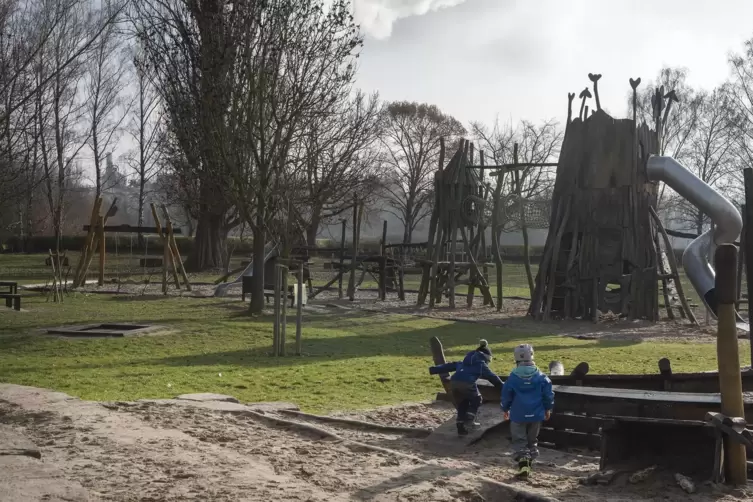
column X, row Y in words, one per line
column 741, row 88
column 192, row 53
column 105, row 106
column 338, row 158
column 710, row 152
column 410, row 136
column 38, row 57
column 65, row 107
column 146, row 128
column 529, row 143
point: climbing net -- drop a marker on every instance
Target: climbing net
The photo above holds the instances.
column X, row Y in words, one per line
column 516, row 210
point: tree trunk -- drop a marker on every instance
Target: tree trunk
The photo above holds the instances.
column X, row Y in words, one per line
column 140, row 238
column 260, row 241
column 313, row 228
column 699, row 222
column 97, row 163
column 408, row 231
column 207, row 248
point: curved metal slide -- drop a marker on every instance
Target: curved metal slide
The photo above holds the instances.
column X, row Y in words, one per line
column 270, row 250
column 697, row 260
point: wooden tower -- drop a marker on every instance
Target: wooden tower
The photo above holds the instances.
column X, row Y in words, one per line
column 457, row 218
column 603, row 252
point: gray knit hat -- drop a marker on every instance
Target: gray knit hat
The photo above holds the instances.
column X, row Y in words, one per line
column 523, row 353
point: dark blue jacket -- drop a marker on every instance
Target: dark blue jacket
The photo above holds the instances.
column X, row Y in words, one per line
column 527, row 395
column 470, row 369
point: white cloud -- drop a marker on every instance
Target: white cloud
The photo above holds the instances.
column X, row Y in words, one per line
column 376, row 17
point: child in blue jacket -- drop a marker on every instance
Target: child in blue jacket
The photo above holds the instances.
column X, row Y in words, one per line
column 465, row 393
column 527, row 401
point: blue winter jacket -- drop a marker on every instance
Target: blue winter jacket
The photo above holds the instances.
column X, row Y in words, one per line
column 527, row 394
column 470, row 369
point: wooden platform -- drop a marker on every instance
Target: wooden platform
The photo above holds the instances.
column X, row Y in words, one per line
column 639, row 403
column 676, row 382
column 444, row 439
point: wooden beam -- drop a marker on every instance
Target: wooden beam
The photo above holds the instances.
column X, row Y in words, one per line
column 88, row 243
column 177, row 259
column 101, row 234
column 128, row 229
column 514, row 165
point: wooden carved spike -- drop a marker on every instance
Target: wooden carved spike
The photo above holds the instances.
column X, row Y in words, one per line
column 634, row 85
column 584, row 95
column 595, row 79
column 671, row 97
column 570, row 97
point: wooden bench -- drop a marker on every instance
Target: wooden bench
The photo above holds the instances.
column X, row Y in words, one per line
column 290, row 296
column 12, row 287
column 12, row 300
column 150, row 262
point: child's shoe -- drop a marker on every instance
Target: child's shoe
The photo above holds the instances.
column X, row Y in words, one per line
column 524, row 467
column 462, row 430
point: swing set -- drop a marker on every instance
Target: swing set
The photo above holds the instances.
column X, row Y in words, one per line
column 95, row 243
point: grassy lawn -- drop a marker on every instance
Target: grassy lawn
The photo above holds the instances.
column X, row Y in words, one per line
column 215, row 346
column 352, row 360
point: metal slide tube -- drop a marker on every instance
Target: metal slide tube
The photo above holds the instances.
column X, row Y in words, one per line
column 726, row 228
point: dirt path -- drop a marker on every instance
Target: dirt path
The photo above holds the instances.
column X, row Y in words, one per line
column 169, row 450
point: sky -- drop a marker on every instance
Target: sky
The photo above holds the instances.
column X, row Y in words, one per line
column 514, row 59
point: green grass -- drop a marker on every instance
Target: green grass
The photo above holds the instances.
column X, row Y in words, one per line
column 215, row 346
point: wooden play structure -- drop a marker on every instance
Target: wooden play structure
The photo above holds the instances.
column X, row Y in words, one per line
column 386, row 270
column 693, row 423
column 95, row 243
column 460, row 198
column 607, row 249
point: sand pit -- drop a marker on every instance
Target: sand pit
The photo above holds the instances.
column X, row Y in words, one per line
column 219, row 450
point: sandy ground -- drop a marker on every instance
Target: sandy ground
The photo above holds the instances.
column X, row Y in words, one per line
column 170, row 450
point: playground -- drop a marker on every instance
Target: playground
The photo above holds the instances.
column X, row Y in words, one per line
column 122, row 373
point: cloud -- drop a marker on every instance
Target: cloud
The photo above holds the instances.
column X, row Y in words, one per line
column 376, row 17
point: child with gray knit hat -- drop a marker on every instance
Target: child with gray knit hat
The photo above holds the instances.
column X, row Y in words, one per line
column 527, row 401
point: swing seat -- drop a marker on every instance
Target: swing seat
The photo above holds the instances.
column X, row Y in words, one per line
column 150, row 262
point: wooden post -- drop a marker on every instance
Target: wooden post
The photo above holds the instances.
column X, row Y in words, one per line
column 437, row 354
column 167, row 254
column 283, row 309
column 748, row 243
column 496, row 236
column 432, row 249
column 523, row 224
column 341, row 270
column 673, row 266
column 353, row 260
column 299, row 313
column 54, row 286
column 383, row 264
column 177, row 260
column 728, row 359
column 485, row 192
column 276, row 321
column 165, row 262
column 401, row 275
column 102, row 252
column 92, row 250
column 455, row 217
column 88, row 243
